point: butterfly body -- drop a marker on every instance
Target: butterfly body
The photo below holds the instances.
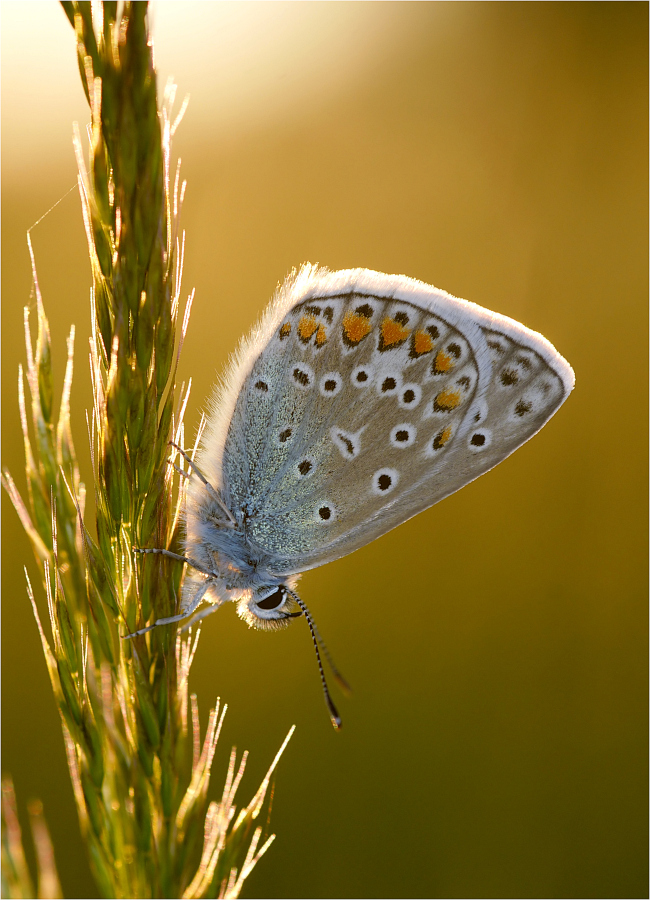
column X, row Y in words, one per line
column 360, row 400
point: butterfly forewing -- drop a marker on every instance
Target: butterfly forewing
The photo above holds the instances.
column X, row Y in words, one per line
column 367, row 405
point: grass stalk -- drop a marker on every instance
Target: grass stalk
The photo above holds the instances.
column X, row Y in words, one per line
column 139, row 766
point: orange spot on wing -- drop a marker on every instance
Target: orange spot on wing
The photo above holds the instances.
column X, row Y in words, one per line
column 422, row 343
column 285, row 330
column 441, row 439
column 306, row 327
column 355, row 327
column 321, row 336
column 393, row 332
column 442, row 363
column 446, row 400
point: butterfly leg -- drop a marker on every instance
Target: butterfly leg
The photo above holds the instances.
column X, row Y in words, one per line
column 213, row 493
column 207, row 611
column 170, row 555
column 169, row 620
column 197, row 596
column 181, row 471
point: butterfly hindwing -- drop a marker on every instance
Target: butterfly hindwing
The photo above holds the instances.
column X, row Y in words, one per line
column 371, row 398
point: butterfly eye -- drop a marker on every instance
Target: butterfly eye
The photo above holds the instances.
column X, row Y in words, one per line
column 268, row 611
column 273, row 600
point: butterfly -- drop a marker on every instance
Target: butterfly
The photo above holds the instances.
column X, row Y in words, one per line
column 360, row 400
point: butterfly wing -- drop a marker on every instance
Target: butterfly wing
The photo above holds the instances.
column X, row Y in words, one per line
column 362, row 400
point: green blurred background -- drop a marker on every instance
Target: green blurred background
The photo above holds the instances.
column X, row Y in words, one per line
column 496, row 742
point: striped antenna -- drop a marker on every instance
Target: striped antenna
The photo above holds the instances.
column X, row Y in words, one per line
column 334, row 716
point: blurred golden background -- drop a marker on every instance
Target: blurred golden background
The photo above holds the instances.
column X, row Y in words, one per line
column 496, row 742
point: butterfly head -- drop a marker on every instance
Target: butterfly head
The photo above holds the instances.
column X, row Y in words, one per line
column 269, row 607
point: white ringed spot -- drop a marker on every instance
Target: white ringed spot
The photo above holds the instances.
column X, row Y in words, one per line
column 324, row 512
column 362, row 376
column 348, row 443
column 410, row 396
column 330, row 384
column 384, row 481
column 480, row 439
column 389, row 384
column 403, row 435
column 302, row 375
